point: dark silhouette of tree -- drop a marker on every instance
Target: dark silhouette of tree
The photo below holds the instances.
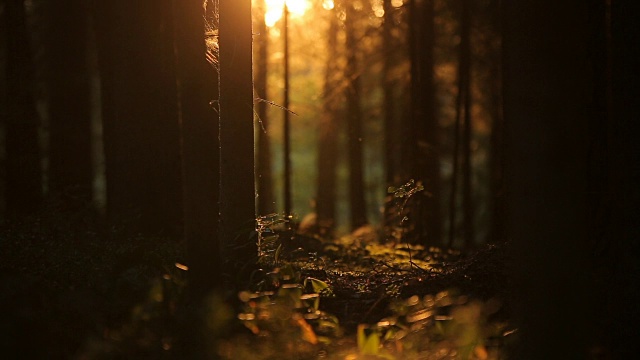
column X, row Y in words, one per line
column 197, row 86
column 328, row 136
column 286, row 131
column 266, row 203
column 67, row 77
column 462, row 136
column 140, row 116
column 391, row 131
column 237, row 189
column 621, row 197
column 547, row 112
column 496, row 142
column 354, row 121
column 465, row 93
column 425, row 166
column 23, row 168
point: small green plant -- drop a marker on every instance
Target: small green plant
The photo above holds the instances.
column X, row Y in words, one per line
column 404, row 192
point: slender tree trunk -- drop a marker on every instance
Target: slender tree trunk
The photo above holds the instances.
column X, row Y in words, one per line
column 140, row 116
column 286, row 151
column 496, row 190
column 23, row 168
column 425, row 212
column 328, row 137
column 237, row 189
column 354, row 123
column 391, row 140
column 266, row 204
column 67, row 76
column 467, row 165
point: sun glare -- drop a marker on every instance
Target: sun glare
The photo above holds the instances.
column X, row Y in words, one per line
column 297, row 8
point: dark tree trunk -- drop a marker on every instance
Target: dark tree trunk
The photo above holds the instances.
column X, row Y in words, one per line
column 425, row 209
column 328, row 137
column 266, row 203
column 354, row 122
column 496, row 165
column 237, row 189
column 286, row 131
column 140, row 116
column 391, row 133
column 198, row 86
column 623, row 177
column 197, row 82
column 465, row 93
column 547, row 100
column 23, row 168
column 68, row 84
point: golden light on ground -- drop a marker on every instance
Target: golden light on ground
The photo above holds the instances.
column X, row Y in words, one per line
column 297, row 8
column 327, row 4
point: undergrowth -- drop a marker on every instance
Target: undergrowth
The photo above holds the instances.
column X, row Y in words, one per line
column 78, row 294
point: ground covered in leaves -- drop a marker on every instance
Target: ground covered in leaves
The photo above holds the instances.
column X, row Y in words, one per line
column 66, row 293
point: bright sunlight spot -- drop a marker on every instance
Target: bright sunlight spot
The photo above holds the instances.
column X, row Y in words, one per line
column 327, row 4
column 297, row 8
column 397, row 3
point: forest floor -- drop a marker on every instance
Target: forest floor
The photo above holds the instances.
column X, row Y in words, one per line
column 66, row 293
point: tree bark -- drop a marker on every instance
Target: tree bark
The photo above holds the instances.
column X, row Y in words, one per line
column 197, row 82
column 237, row 189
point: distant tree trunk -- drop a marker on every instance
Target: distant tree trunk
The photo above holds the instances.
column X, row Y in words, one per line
column 266, row 203
column 547, row 111
column 197, row 82
column 391, row 138
column 425, row 213
column 237, row 189
column 68, row 84
column 140, row 116
column 23, row 168
column 286, row 131
column 496, row 165
column 328, row 137
column 465, row 92
column 354, row 122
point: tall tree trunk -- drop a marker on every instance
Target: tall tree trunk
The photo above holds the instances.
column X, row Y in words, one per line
column 496, row 165
column 547, row 111
column 237, row 189
column 140, row 116
column 266, row 204
column 286, row 151
column 198, row 87
column 391, row 138
column 467, row 165
column 197, row 82
column 426, row 214
column 23, row 168
column 328, row 137
column 68, row 84
column 354, row 122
